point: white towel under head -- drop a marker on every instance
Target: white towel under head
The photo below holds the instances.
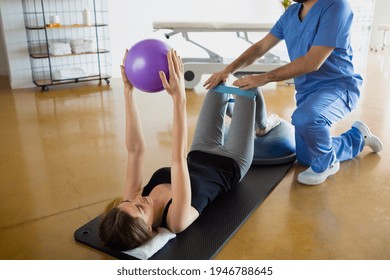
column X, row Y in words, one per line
column 152, row 246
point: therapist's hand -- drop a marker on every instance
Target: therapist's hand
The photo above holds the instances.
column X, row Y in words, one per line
column 251, row 81
column 216, row 78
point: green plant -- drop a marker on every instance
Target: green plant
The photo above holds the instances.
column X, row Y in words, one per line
column 285, row 3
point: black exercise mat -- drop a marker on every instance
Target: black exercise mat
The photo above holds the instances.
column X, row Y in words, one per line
column 218, row 222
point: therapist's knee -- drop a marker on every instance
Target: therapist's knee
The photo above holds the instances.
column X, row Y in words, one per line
column 308, row 125
column 304, row 118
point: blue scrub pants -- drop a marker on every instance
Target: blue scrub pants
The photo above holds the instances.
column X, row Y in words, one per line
column 313, row 117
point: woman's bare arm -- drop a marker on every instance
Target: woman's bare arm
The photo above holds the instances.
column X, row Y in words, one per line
column 135, row 142
column 181, row 214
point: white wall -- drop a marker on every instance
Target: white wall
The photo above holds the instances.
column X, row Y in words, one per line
column 131, row 21
column 3, row 56
column 381, row 17
column 15, row 43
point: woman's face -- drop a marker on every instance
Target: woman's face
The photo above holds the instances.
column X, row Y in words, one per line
column 141, row 207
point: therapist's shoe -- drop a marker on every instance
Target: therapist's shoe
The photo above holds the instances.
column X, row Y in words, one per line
column 370, row 140
column 309, row 177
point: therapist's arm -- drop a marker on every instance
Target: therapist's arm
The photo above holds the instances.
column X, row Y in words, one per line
column 310, row 62
column 247, row 58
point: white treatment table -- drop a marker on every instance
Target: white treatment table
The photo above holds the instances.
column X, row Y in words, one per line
column 194, row 68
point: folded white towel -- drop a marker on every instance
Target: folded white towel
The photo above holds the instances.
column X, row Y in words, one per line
column 80, row 41
column 149, row 248
column 81, row 45
column 58, row 48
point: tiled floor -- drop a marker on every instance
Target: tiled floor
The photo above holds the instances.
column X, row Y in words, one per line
column 63, row 158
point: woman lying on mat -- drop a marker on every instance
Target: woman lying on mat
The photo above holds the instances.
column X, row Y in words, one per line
column 175, row 196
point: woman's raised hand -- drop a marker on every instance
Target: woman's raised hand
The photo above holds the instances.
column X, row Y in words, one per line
column 127, row 85
column 175, row 86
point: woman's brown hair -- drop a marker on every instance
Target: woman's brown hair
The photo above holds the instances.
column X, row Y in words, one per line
column 120, row 231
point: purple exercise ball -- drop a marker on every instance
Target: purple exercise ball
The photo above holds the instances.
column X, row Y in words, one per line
column 143, row 62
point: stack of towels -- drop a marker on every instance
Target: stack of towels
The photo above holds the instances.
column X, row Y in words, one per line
column 81, row 45
column 76, row 46
column 59, row 48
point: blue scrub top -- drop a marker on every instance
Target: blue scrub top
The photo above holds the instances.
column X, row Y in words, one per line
column 327, row 23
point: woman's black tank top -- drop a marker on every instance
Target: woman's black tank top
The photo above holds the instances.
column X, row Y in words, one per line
column 210, row 175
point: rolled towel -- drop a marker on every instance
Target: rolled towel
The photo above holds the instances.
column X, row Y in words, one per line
column 152, row 246
column 68, row 73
